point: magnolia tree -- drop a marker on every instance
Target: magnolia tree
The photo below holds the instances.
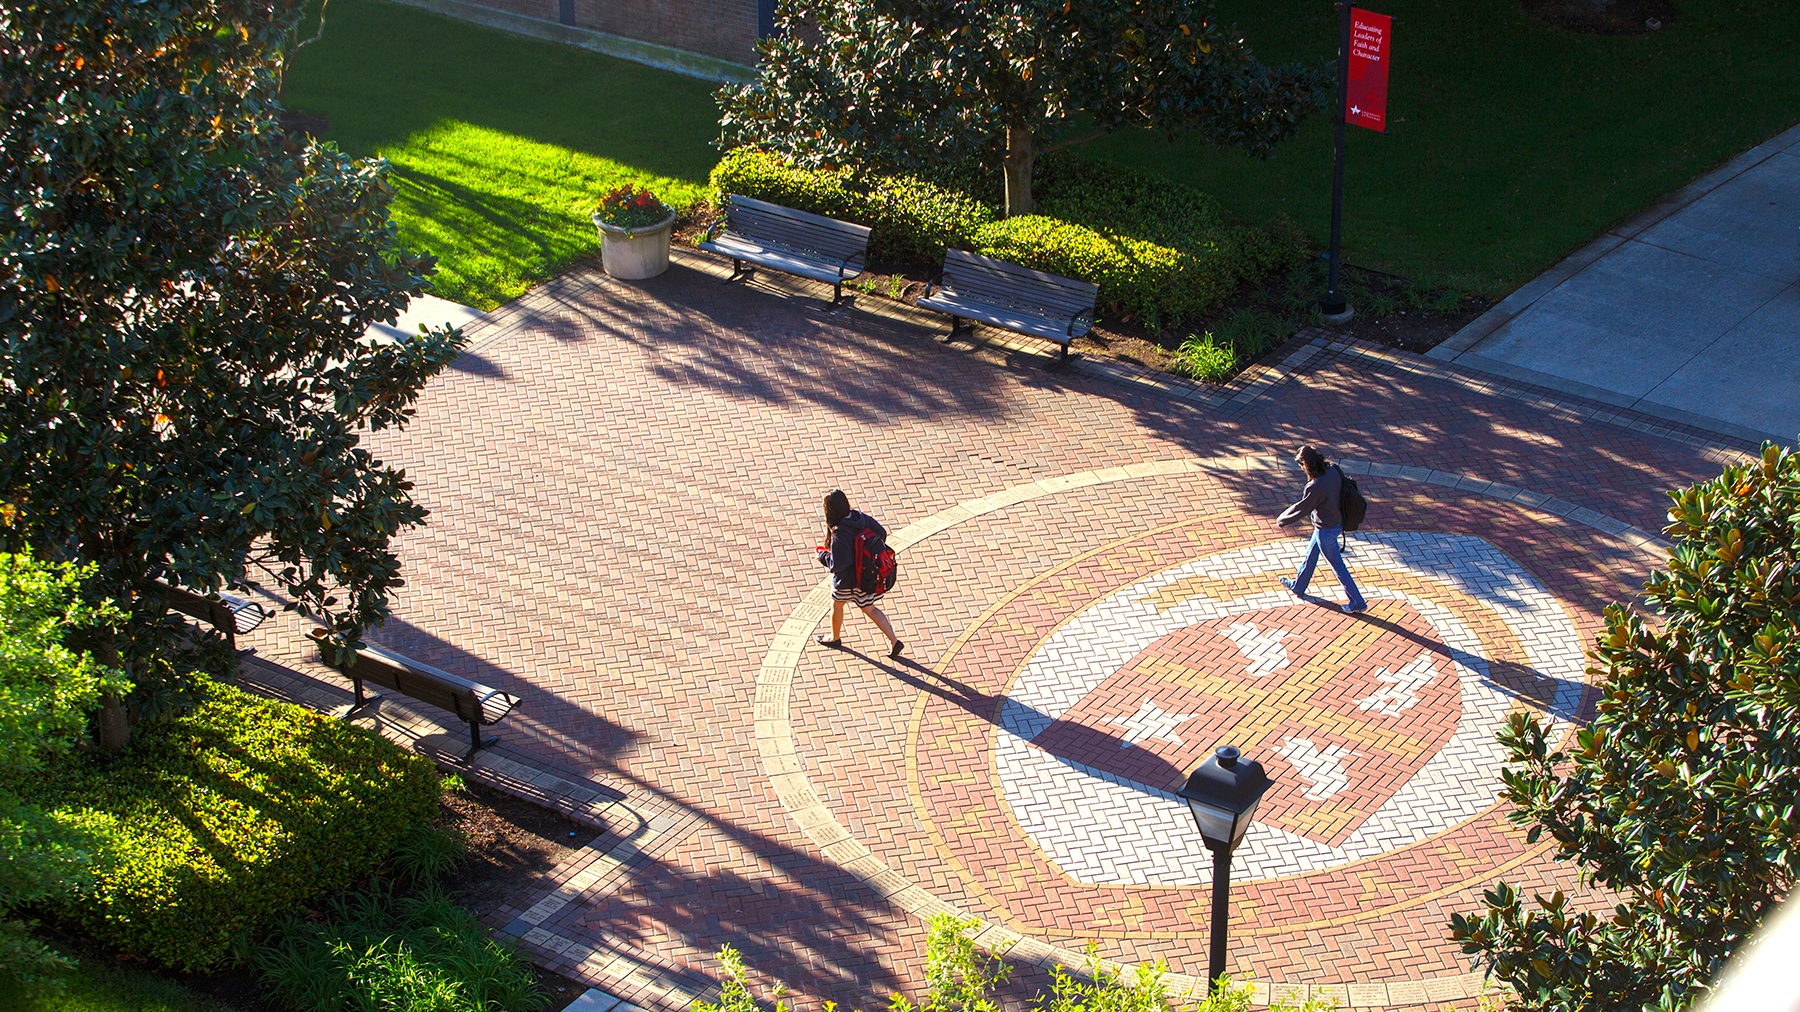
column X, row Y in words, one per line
column 1681, row 796
column 920, row 85
column 183, row 297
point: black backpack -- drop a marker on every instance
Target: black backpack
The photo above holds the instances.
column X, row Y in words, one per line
column 1351, row 503
column 875, row 565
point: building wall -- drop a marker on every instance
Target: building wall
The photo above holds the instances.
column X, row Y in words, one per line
column 725, row 29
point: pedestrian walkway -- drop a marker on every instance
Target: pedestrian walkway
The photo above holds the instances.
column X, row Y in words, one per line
column 1688, row 311
column 625, row 485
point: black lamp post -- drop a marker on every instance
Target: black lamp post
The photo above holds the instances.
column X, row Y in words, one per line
column 1223, row 794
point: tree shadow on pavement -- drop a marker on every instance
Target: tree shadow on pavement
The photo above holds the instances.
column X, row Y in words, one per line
column 806, row 921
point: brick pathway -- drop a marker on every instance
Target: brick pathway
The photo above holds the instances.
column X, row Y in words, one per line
column 625, row 482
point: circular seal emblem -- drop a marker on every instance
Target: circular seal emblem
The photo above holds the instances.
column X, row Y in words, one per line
column 1368, row 725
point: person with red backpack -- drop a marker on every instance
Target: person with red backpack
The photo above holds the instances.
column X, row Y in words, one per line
column 1324, row 499
column 862, row 568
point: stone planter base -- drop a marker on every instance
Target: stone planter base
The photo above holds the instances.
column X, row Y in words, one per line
column 637, row 253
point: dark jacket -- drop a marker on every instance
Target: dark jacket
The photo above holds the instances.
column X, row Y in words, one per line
column 1321, row 500
column 841, row 559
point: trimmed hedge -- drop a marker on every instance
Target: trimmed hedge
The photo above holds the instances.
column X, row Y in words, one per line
column 216, row 822
column 912, row 220
column 1116, row 198
column 1158, row 250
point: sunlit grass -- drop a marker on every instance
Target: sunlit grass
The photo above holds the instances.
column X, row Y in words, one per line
column 502, row 211
column 502, row 144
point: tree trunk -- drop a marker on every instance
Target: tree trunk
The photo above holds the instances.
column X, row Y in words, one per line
column 112, row 725
column 1020, row 155
column 112, row 730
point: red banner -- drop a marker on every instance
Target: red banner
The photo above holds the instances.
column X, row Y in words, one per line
column 1366, row 104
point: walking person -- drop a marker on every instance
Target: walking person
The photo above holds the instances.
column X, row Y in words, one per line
column 842, row 525
column 1322, row 499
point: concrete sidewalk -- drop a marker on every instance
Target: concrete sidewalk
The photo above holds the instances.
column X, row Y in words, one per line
column 1690, row 311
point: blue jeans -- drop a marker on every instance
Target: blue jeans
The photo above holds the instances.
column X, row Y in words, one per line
column 1325, row 539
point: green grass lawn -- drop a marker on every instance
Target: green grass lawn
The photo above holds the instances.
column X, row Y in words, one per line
column 1512, row 143
column 98, row 987
column 503, row 145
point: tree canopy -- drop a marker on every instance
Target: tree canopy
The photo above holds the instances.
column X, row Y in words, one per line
column 184, row 291
column 925, row 85
column 1681, row 795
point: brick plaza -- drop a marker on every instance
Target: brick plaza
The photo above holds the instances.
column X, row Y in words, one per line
column 625, row 485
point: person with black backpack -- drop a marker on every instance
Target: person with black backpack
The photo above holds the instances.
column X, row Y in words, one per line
column 1323, row 499
column 862, row 568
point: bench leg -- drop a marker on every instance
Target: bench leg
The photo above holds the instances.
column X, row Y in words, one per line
column 739, row 269
column 477, row 742
column 956, row 323
column 1061, row 360
column 361, row 699
column 837, row 294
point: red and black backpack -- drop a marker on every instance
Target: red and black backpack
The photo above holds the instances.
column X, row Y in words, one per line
column 875, row 565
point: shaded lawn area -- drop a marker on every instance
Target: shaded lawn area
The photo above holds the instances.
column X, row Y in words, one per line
column 98, row 987
column 503, row 145
column 1512, row 143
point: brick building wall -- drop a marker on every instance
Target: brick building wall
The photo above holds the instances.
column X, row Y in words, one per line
column 724, row 29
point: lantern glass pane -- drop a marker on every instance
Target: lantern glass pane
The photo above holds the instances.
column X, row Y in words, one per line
column 1215, row 822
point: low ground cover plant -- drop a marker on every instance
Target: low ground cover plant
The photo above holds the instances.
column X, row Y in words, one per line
column 214, row 823
column 959, row 977
column 380, row 949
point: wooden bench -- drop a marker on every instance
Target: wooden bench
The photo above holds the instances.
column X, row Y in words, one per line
column 475, row 704
column 797, row 242
column 230, row 614
column 1014, row 298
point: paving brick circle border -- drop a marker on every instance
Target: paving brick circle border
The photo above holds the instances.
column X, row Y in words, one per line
column 782, row 763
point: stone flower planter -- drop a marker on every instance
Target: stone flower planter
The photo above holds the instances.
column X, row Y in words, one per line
column 633, row 254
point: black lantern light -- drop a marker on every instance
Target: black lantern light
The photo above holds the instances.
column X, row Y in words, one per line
column 1223, row 794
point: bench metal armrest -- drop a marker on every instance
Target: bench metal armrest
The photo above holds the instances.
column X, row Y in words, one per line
column 844, row 266
column 1086, row 315
column 481, row 701
column 935, row 281
column 713, row 228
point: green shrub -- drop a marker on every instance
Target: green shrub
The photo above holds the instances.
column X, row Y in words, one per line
column 1158, row 249
column 1114, row 198
column 912, row 221
column 217, row 821
column 1205, row 358
column 382, row 952
column 1137, row 278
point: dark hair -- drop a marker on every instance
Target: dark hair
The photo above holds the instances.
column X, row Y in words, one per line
column 837, row 507
column 1310, row 459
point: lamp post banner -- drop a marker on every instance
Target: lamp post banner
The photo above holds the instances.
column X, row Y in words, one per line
column 1366, row 92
